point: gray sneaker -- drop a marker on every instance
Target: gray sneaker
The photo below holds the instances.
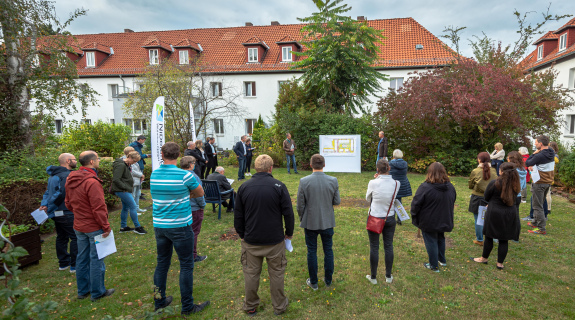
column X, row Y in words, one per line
column 309, row 284
column 527, row 219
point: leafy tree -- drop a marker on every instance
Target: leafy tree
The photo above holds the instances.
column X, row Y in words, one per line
column 38, row 65
column 470, row 106
column 107, row 139
column 182, row 86
column 339, row 59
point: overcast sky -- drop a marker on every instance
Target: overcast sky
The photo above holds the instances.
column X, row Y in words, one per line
column 494, row 17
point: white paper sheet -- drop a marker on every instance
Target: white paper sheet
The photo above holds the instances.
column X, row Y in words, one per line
column 105, row 246
column 400, row 210
column 231, row 181
column 535, row 174
column 481, row 215
column 40, row 216
column 289, row 246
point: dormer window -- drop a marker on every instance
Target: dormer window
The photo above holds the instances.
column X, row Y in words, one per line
column 540, row 52
column 184, row 57
column 154, row 57
column 563, row 42
column 90, row 59
column 286, row 53
column 252, row 54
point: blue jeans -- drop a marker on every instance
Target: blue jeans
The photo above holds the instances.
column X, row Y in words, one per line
column 498, row 164
column 292, row 157
column 128, row 206
column 136, row 193
column 90, row 271
column 435, row 245
column 181, row 239
column 242, row 167
column 311, row 243
column 478, row 228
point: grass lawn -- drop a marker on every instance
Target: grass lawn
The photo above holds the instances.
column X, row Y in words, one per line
column 537, row 282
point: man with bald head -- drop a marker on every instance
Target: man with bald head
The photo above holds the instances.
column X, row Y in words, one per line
column 85, row 197
column 53, row 204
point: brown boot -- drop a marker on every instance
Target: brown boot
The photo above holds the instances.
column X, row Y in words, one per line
column 479, row 243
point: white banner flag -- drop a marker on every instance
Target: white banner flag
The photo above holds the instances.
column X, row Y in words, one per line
column 192, row 123
column 158, row 139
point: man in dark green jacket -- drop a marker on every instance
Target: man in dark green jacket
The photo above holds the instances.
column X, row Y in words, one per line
column 122, row 184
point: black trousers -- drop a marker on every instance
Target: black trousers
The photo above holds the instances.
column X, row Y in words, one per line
column 501, row 250
column 65, row 233
column 211, row 165
column 248, row 163
column 387, row 236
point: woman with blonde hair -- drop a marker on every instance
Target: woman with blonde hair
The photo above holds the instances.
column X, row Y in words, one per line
column 478, row 180
column 497, row 156
column 501, row 218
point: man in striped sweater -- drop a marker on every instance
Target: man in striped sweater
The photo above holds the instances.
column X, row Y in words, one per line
column 171, row 189
column 544, row 159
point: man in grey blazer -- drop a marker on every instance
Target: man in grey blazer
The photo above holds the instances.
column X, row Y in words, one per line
column 316, row 196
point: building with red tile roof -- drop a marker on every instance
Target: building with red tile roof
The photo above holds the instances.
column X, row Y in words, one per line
column 556, row 49
column 238, row 55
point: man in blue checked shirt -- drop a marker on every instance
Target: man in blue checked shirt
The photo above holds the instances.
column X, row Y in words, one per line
column 171, row 189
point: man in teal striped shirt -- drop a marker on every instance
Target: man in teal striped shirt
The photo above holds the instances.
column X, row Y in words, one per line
column 171, row 189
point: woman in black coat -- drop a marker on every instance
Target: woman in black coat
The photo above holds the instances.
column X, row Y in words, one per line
column 398, row 172
column 432, row 212
column 501, row 218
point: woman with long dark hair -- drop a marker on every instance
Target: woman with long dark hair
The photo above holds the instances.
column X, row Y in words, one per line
column 501, row 218
column 478, row 181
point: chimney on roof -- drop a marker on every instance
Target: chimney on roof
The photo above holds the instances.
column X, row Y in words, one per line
column 249, row 24
column 361, row 18
column 128, row 30
column 275, row 23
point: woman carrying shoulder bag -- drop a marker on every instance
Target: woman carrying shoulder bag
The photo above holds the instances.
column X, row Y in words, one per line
column 478, row 180
column 381, row 193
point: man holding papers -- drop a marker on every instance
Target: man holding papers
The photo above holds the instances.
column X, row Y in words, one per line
column 542, row 160
column 262, row 206
column 171, row 189
column 53, row 204
column 317, row 195
column 85, row 197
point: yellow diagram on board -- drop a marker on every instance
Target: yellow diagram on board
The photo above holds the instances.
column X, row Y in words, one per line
column 341, row 146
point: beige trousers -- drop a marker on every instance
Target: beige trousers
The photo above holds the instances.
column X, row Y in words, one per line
column 252, row 259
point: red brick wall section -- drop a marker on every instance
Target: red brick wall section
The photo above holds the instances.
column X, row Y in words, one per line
column 549, row 46
column 570, row 37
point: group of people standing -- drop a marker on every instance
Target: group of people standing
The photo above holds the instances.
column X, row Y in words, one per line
column 206, row 156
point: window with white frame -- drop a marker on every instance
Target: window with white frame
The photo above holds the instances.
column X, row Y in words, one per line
column 571, row 124
column 540, row 52
column 252, row 54
column 90, row 59
column 219, row 126
column 563, row 42
column 154, row 57
column 281, row 83
column 250, row 89
column 250, row 125
column 138, row 126
column 58, row 124
column 86, row 121
column 36, row 61
column 112, row 121
column 184, row 57
column 216, row 89
column 286, row 54
column 112, row 91
column 395, row 83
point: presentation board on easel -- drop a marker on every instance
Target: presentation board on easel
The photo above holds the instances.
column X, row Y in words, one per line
column 342, row 153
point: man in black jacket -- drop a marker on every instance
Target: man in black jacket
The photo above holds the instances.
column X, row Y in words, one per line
column 382, row 147
column 261, row 205
column 544, row 160
column 212, row 155
column 192, row 151
column 224, row 185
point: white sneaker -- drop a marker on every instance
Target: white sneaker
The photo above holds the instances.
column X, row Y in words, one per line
column 373, row 281
column 142, row 210
column 389, row 280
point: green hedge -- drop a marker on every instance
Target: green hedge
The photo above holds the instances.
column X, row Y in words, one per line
column 108, row 140
column 566, row 171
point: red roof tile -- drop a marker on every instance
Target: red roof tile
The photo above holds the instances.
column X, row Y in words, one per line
column 531, row 63
column 223, row 49
column 96, row 46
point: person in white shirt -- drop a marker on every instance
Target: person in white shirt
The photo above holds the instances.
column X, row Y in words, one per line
column 381, row 194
